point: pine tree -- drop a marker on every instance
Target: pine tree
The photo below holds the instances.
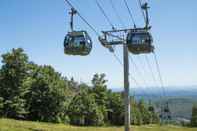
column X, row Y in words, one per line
column 100, row 92
column 83, row 110
column 115, row 108
column 145, row 114
column 1, row 106
column 47, row 93
column 137, row 118
column 194, row 116
column 13, row 73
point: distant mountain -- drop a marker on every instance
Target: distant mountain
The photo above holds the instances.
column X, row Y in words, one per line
column 170, row 91
column 180, row 99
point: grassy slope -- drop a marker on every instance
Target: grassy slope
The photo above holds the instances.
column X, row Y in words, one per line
column 13, row 125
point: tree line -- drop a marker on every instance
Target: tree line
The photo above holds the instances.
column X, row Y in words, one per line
column 39, row 93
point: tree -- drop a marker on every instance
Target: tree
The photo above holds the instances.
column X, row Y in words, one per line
column 83, row 110
column 73, row 85
column 1, row 106
column 100, row 92
column 194, row 116
column 1, row 99
column 47, row 93
column 13, row 73
column 154, row 116
column 145, row 114
column 115, row 108
column 136, row 118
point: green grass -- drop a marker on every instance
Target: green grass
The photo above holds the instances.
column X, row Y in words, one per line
column 14, row 125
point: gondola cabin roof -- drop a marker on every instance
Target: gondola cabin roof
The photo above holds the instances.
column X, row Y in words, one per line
column 77, row 33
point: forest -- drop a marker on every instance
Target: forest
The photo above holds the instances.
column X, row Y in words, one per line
column 39, row 93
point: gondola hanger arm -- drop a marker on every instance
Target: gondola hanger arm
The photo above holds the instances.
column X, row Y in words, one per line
column 72, row 13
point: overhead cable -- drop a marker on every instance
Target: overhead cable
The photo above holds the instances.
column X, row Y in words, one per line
column 91, row 27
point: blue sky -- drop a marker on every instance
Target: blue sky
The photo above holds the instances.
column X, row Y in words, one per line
column 39, row 26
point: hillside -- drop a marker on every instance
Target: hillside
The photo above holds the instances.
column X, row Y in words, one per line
column 181, row 107
column 14, row 125
column 180, row 99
